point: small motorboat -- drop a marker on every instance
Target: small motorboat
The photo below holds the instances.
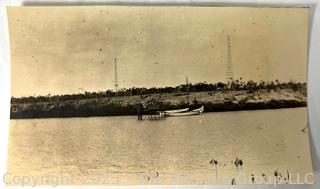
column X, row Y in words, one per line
column 183, row 114
column 187, row 113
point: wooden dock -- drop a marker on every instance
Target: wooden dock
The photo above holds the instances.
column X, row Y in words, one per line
column 151, row 113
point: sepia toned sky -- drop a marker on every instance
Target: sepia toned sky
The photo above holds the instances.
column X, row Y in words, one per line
column 60, row 50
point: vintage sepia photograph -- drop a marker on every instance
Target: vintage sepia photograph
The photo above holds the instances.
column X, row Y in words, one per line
column 158, row 95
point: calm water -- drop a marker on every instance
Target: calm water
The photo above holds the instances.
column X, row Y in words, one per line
column 124, row 150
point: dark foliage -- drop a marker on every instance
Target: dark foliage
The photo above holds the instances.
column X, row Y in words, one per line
column 235, row 85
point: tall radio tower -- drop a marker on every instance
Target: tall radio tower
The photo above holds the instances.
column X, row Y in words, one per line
column 116, row 85
column 229, row 72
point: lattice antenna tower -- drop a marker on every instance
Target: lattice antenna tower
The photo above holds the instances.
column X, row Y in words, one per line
column 116, row 84
column 229, row 72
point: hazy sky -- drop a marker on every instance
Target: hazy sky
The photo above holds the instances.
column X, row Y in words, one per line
column 61, row 50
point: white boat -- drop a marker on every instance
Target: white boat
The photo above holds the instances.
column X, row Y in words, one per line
column 187, row 113
column 176, row 111
column 183, row 114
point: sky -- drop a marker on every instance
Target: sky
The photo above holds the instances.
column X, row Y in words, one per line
column 66, row 50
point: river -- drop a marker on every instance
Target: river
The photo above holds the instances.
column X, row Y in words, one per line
column 176, row 150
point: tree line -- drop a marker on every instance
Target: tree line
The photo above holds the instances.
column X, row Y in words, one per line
column 234, row 85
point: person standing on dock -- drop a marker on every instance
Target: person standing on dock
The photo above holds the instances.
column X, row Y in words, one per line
column 233, row 181
column 140, row 111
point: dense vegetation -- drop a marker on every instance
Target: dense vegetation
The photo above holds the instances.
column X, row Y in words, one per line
column 235, row 85
column 235, row 95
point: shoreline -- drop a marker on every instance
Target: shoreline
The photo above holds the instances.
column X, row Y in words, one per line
column 145, row 115
column 213, row 101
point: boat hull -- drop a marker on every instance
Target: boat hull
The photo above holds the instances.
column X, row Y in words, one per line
column 176, row 111
column 183, row 114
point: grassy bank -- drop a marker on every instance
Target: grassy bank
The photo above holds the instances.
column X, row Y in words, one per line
column 230, row 100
